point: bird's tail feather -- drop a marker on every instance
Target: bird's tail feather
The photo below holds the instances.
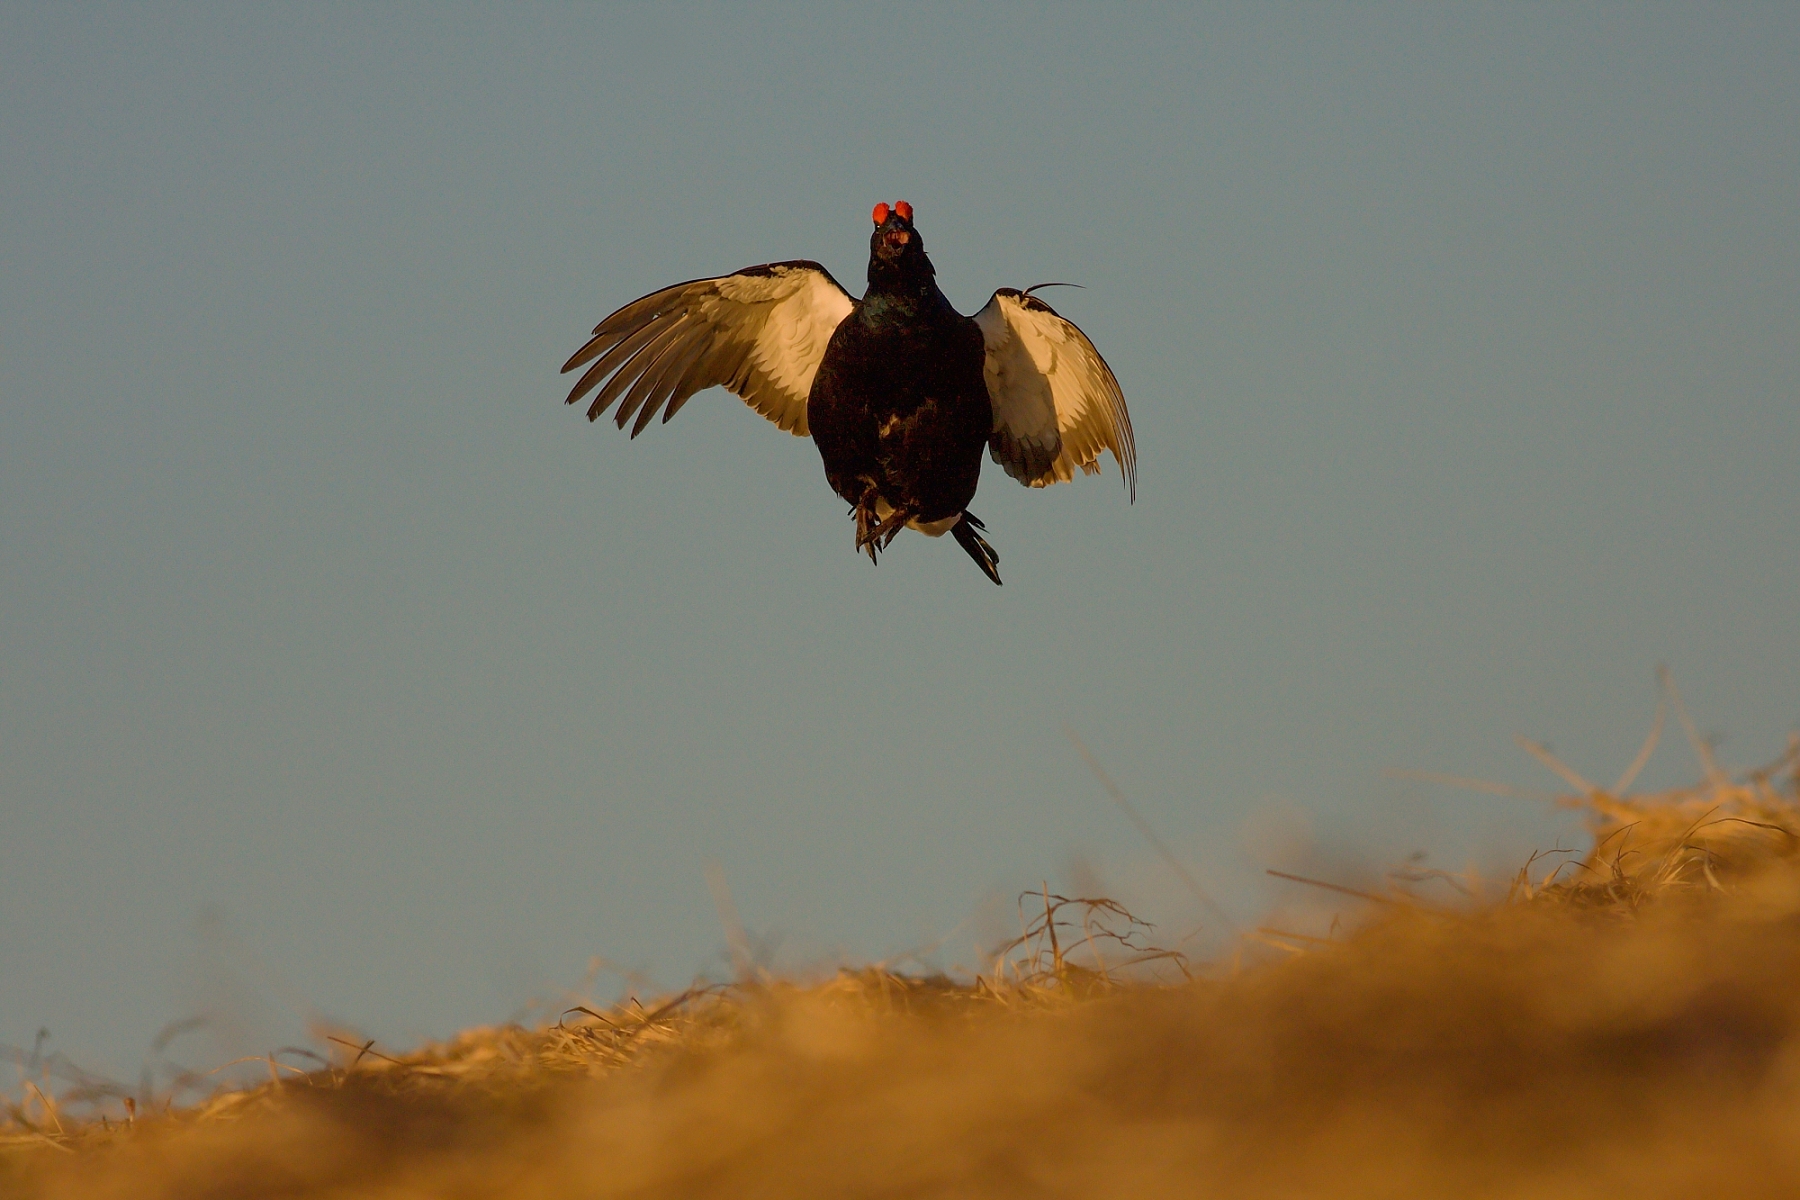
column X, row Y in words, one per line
column 979, row 550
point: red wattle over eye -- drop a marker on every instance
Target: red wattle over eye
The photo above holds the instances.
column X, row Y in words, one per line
column 881, row 212
column 905, row 211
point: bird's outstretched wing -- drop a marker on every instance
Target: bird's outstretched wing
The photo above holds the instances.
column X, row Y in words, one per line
column 1056, row 403
column 760, row 333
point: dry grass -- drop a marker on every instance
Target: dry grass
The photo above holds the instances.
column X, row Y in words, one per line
column 1626, row 1024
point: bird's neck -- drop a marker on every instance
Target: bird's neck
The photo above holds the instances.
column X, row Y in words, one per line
column 902, row 281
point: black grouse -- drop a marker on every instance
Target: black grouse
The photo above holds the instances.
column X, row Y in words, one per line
column 898, row 390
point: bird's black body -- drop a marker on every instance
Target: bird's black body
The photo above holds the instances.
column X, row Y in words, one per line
column 899, row 409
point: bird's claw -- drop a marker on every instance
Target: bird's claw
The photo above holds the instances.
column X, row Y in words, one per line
column 867, row 525
column 874, row 535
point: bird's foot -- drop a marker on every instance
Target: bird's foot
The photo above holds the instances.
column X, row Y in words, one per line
column 872, row 538
column 979, row 550
column 890, row 528
column 864, row 513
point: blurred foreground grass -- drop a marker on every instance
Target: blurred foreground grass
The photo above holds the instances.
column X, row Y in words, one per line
column 1624, row 1025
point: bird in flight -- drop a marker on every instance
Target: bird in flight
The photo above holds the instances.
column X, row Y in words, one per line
column 898, row 390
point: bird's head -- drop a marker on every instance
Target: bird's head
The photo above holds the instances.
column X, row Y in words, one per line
column 895, row 246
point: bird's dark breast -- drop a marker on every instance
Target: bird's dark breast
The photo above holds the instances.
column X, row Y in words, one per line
column 899, row 402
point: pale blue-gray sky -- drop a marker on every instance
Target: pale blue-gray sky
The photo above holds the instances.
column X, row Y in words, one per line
column 344, row 670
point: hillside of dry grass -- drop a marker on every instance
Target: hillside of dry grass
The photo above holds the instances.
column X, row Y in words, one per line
column 1625, row 1025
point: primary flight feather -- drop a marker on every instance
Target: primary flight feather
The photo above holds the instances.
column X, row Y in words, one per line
column 898, row 390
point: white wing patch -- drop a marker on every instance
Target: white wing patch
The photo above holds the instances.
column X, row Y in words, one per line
column 760, row 333
column 1056, row 402
column 797, row 328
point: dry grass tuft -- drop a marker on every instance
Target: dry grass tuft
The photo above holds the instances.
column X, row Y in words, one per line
column 1646, row 845
column 1626, row 1024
